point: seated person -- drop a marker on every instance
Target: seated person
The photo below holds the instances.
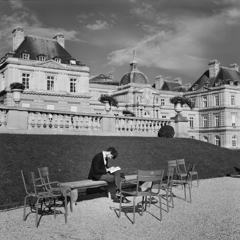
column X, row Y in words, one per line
column 100, row 171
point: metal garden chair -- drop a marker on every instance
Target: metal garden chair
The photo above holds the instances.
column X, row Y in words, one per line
column 154, row 176
column 35, row 189
column 55, row 186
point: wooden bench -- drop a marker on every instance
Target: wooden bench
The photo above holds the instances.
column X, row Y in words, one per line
column 85, row 184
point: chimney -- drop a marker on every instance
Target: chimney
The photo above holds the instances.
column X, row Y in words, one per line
column 178, row 80
column 18, row 37
column 159, row 82
column 60, row 39
column 213, row 68
column 110, row 75
column 235, row 66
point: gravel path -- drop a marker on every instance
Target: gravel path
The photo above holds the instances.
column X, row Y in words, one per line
column 213, row 214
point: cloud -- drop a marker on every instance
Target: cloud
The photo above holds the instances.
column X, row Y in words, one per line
column 84, row 16
column 16, row 4
column 99, row 25
column 27, row 19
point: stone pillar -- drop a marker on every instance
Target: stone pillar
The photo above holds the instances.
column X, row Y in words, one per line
column 17, row 119
column 108, row 124
column 181, row 126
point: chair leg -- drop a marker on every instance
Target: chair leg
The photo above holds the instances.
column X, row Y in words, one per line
column 24, row 209
column 66, row 209
column 120, row 206
column 134, row 209
column 160, row 206
column 190, row 196
column 36, row 217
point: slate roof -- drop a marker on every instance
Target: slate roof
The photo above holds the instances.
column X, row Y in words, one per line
column 224, row 76
column 171, row 86
column 103, row 79
column 36, row 46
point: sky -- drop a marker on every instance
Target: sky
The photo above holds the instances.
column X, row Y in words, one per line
column 172, row 38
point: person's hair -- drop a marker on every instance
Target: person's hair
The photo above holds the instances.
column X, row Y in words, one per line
column 113, row 151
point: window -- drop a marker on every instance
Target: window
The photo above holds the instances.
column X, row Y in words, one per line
column 73, row 84
column 191, row 122
column 205, row 121
column 25, row 80
column 41, row 58
column 58, row 60
column 50, row 83
column 234, row 141
column 162, row 101
column 217, row 120
column 216, row 100
column 204, row 101
column 164, row 116
column 25, row 56
column 217, row 141
column 233, row 120
column 232, row 99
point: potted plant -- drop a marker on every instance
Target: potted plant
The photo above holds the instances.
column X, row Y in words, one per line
column 17, row 85
column 17, row 88
column 109, row 101
column 179, row 101
column 128, row 113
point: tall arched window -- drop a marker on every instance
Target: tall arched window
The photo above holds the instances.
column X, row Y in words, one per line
column 234, row 141
column 217, row 141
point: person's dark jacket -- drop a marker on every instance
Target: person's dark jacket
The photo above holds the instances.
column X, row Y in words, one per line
column 98, row 168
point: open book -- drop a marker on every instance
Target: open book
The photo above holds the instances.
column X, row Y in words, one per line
column 113, row 169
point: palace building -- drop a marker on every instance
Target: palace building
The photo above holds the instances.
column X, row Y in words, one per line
column 59, row 89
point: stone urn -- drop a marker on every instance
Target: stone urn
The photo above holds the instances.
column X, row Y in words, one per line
column 17, row 95
column 107, row 107
column 178, row 108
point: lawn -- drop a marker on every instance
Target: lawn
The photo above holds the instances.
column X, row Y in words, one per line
column 69, row 157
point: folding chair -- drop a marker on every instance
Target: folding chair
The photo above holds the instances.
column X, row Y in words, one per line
column 192, row 173
column 167, row 187
column 184, row 183
column 31, row 189
column 181, row 169
column 154, row 176
column 55, row 186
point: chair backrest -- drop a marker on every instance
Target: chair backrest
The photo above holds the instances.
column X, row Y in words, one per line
column 181, row 165
column 28, row 182
column 44, row 174
column 154, row 176
column 172, row 163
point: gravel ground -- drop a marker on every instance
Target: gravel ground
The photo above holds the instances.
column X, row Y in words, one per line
column 213, row 214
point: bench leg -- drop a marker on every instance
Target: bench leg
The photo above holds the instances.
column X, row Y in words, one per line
column 111, row 191
column 74, row 195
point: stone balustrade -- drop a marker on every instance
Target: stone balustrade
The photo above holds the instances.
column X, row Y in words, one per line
column 139, row 126
column 34, row 121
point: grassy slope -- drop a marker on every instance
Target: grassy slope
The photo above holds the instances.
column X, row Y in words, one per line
column 69, row 157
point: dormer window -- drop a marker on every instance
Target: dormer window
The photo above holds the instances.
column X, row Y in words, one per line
column 58, row 60
column 72, row 61
column 41, row 57
column 26, row 56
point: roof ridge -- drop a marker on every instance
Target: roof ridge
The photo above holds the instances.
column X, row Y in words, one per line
column 33, row 36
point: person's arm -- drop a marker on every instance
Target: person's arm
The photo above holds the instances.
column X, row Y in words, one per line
column 98, row 165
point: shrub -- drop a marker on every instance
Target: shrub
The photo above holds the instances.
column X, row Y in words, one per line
column 108, row 98
column 182, row 100
column 17, row 85
column 126, row 112
column 166, row 131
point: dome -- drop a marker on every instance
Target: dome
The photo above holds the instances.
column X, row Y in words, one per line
column 134, row 75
